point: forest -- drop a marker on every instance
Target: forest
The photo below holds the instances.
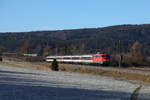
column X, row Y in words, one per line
column 77, row 41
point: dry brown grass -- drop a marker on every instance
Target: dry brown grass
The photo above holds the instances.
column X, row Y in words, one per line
column 16, row 62
column 26, row 65
column 99, row 71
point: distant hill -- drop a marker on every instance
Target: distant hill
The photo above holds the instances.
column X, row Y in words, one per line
column 79, row 40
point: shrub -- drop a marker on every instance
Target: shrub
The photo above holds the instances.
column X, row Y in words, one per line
column 54, row 65
column 1, row 59
column 114, row 60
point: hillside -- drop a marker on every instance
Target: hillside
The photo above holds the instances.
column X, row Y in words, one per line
column 78, row 41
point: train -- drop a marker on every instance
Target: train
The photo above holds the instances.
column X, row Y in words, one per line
column 98, row 59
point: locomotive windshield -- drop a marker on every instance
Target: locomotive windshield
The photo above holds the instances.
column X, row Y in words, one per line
column 106, row 56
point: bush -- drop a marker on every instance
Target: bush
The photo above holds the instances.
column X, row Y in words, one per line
column 54, row 65
column 114, row 60
column 129, row 60
column 1, row 59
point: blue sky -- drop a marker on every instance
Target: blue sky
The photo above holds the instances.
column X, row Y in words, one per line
column 32, row 15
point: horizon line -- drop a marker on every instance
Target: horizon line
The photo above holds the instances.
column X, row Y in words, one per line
column 65, row 29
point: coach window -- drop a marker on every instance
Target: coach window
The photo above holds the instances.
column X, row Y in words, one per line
column 67, row 58
column 86, row 58
column 58, row 58
column 75, row 58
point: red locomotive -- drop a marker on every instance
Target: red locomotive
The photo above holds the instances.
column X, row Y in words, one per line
column 101, row 58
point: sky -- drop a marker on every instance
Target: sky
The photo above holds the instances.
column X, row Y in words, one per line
column 34, row 15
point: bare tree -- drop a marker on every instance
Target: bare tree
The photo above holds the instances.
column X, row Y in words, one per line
column 26, row 47
column 136, row 54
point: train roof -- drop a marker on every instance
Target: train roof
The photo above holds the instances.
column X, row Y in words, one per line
column 69, row 56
